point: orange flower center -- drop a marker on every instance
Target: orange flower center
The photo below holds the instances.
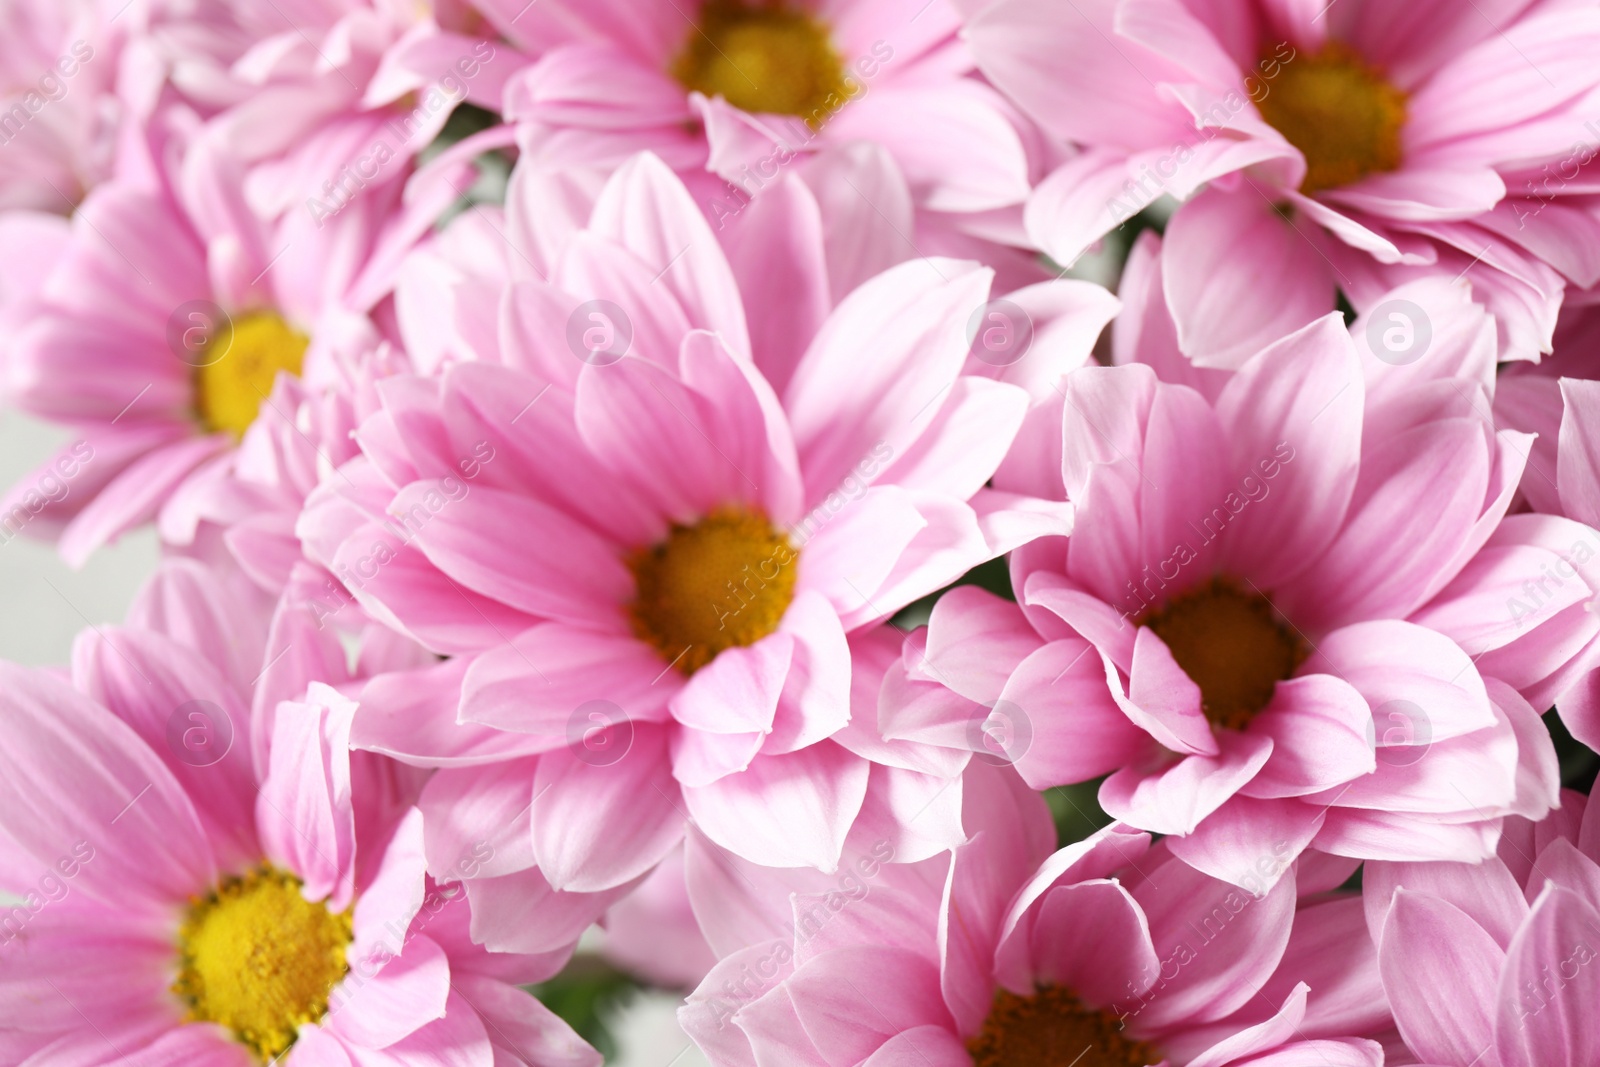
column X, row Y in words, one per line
column 721, row 583
column 1342, row 115
column 242, row 363
column 259, row 959
column 763, row 57
column 1052, row 1028
column 1230, row 643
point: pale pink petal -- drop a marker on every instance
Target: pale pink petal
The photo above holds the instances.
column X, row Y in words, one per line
column 1485, row 892
column 867, row 213
column 1322, row 736
column 1010, row 835
column 737, row 692
column 1110, row 632
column 539, row 681
column 1404, row 836
column 750, row 428
column 1075, row 728
column 1164, row 700
column 304, row 811
column 69, row 769
column 1250, row 843
column 974, row 641
column 1262, row 1037
column 842, row 408
column 301, row 649
column 830, row 992
column 787, row 291
column 377, row 1010
column 520, row 1025
column 188, row 1046
column 1057, row 65
column 188, row 715
column 479, row 820
column 961, row 449
column 1420, row 686
column 601, row 822
column 815, row 702
column 1440, row 970
column 917, row 123
column 134, row 496
column 477, row 536
column 1578, row 463
column 1093, row 938
column 1173, row 798
column 1295, row 411
column 1274, row 281
column 521, row 913
column 920, row 1046
column 645, row 208
column 785, row 811
column 1187, row 494
column 1552, row 1030
column 1331, row 951
column 706, row 1013
column 411, row 716
column 918, row 815
column 662, row 437
column 438, row 611
column 1386, row 557
column 1236, row 940
column 387, row 905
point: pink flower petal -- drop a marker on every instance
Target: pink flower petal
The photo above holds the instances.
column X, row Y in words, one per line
column 1440, row 970
column 603, row 822
column 1534, row 1024
column 785, row 811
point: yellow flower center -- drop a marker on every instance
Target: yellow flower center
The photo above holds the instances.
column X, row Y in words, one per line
column 763, row 57
column 242, row 362
column 1052, row 1028
column 1230, row 643
column 1340, row 113
column 259, row 959
column 724, row 582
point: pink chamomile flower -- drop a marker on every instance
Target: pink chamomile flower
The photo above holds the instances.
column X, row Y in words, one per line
column 1495, row 964
column 1110, row 953
column 1287, row 611
column 1358, row 145
column 179, row 907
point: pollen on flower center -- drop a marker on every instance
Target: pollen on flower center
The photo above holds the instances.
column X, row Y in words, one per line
column 763, row 57
column 1052, row 1028
column 1231, row 644
column 721, row 583
column 243, row 360
column 1340, row 113
column 259, row 959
